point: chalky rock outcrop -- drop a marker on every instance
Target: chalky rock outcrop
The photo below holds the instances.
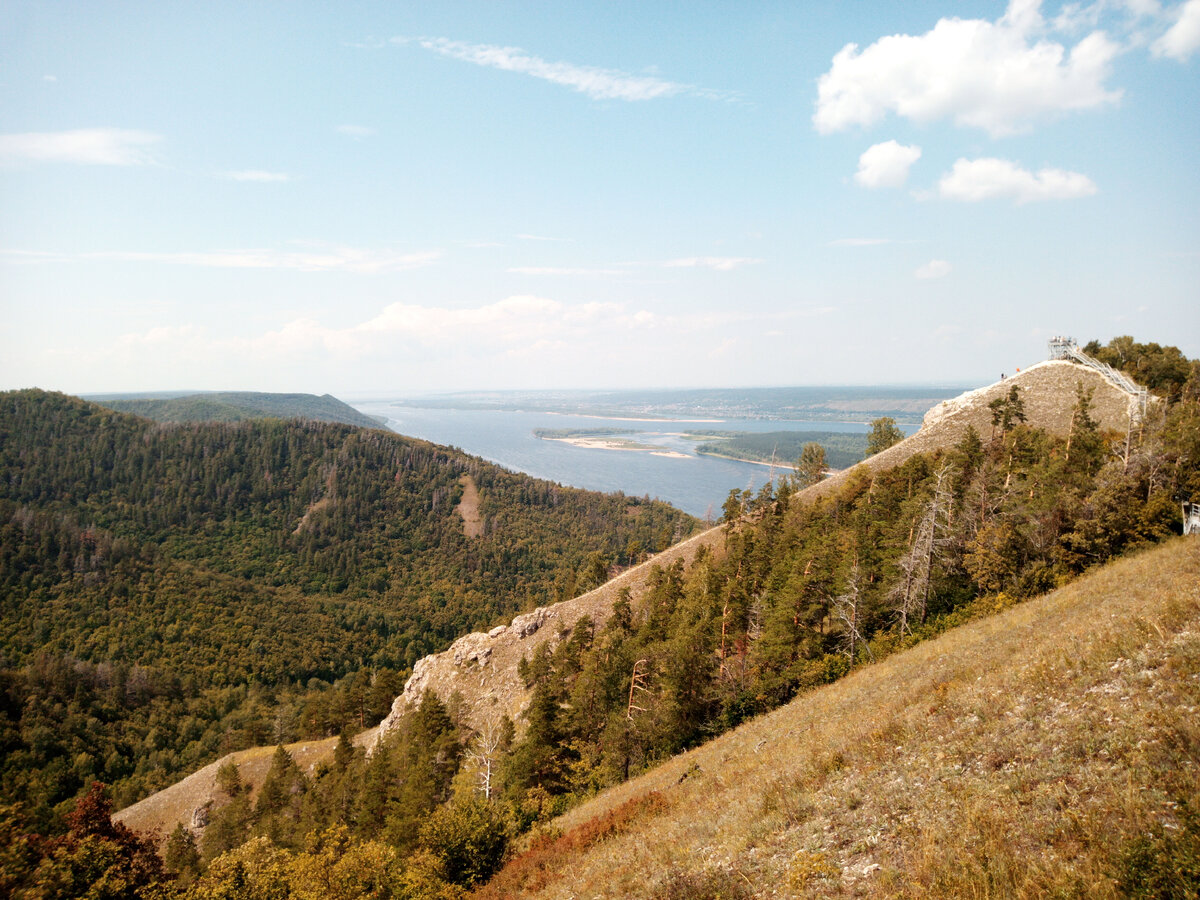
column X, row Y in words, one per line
column 482, row 666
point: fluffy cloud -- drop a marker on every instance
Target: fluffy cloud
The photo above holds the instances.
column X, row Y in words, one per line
column 989, row 179
column 886, row 165
column 935, row 268
column 991, row 75
column 1183, row 38
column 88, row 146
column 597, row 83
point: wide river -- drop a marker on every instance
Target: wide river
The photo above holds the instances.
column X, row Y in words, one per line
column 696, row 484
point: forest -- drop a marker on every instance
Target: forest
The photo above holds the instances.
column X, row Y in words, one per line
column 238, row 406
column 801, row 594
column 172, row 592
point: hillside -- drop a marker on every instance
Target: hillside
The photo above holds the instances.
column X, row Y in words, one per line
column 764, row 585
column 171, row 593
column 482, row 667
column 1021, row 755
column 238, row 406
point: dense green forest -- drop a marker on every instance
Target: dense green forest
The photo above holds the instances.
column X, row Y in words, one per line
column 174, row 592
column 237, row 406
column 801, row 594
column 783, row 448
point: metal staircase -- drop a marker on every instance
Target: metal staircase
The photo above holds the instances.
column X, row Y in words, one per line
column 1062, row 347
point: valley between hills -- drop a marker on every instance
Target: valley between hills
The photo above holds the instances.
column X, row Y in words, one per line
column 966, row 666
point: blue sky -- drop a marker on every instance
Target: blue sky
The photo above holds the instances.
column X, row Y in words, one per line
column 396, row 197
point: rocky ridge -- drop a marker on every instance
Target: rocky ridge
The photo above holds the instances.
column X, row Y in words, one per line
column 482, row 667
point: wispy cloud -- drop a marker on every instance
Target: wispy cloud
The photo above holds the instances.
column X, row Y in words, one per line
column 717, row 263
column 318, row 259
column 256, row 175
column 564, row 270
column 541, row 237
column 861, row 242
column 83, row 146
column 597, row 83
column 714, row 263
column 989, row 178
column 358, row 132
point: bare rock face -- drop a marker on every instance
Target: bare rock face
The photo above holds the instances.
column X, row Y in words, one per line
column 200, row 814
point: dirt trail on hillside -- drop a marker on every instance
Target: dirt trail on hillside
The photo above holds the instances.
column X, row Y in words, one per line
column 468, row 508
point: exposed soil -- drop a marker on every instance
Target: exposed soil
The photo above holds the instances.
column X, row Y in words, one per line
column 468, row 508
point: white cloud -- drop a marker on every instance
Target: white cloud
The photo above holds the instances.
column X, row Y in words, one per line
column 597, row 83
column 717, row 263
column 886, row 165
column 935, row 268
column 997, row 76
column 50, row 78
column 1183, row 38
column 87, row 146
column 988, row 179
column 355, row 131
column 256, row 175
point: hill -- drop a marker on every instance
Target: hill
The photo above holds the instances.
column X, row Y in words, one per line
column 482, row 667
column 171, row 593
column 238, row 406
column 1047, row 750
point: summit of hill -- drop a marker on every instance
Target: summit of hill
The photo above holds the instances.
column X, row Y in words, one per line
column 239, row 406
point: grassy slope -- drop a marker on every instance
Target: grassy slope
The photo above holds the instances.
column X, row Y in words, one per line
column 1014, row 756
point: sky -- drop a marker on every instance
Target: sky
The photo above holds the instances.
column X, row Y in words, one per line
column 375, row 198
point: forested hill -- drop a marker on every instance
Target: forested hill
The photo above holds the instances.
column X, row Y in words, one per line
column 237, row 406
column 168, row 591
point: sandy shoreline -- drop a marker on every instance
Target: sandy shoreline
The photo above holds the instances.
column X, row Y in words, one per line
column 612, row 443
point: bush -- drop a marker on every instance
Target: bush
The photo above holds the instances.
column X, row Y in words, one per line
column 468, row 837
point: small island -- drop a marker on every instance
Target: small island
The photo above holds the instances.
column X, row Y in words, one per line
column 604, row 439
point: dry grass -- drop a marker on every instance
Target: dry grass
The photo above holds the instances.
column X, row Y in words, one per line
column 1012, row 757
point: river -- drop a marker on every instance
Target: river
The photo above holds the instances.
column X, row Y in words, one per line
column 696, row 484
